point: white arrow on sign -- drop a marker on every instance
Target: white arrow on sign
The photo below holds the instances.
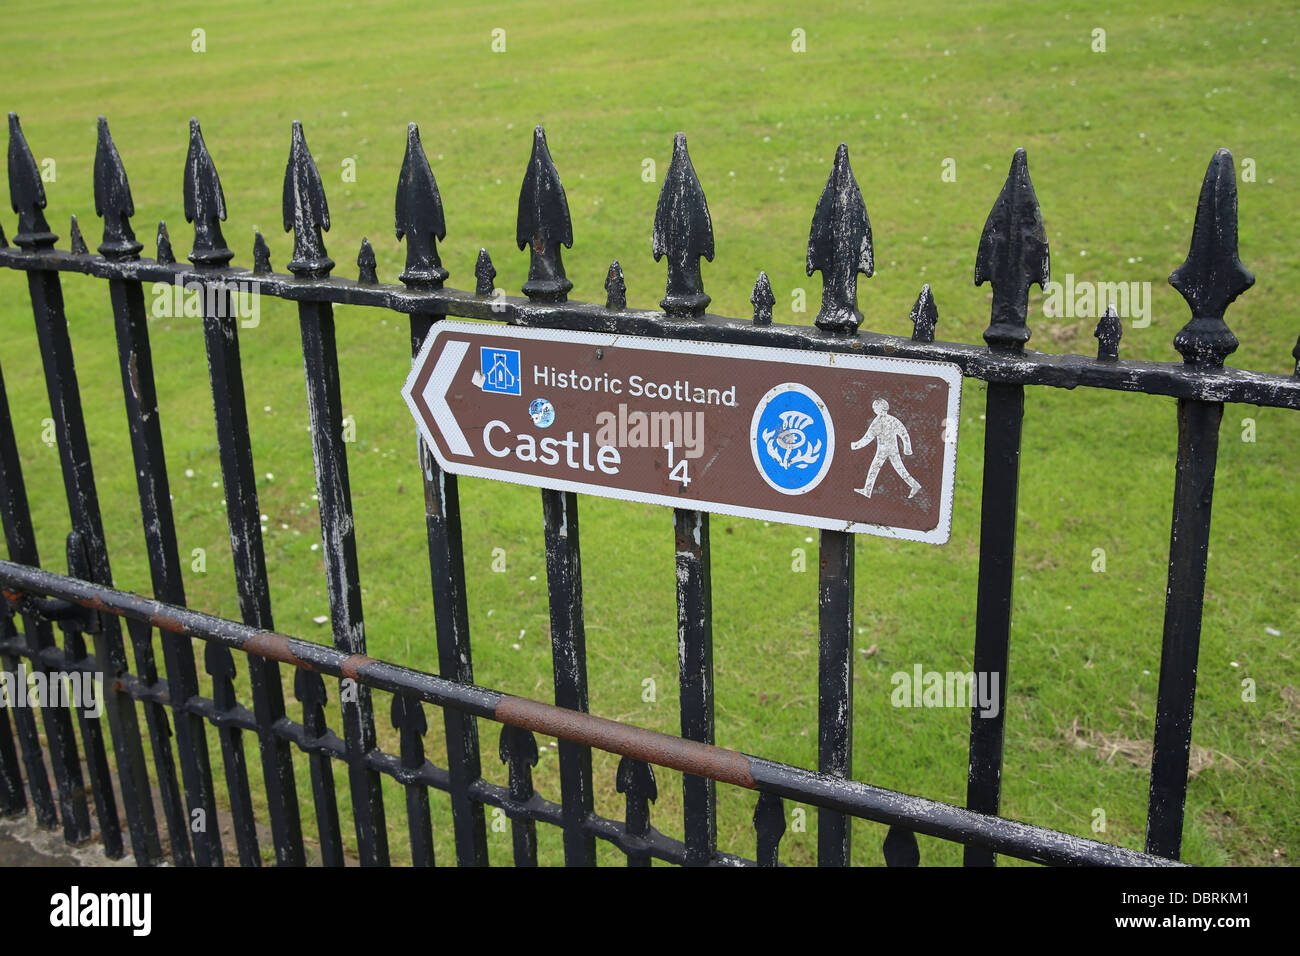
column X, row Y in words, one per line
column 435, row 396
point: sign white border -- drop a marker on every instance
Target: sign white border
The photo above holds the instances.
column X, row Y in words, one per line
column 793, row 357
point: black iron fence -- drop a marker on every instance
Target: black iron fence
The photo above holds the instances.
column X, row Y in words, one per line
column 1013, row 254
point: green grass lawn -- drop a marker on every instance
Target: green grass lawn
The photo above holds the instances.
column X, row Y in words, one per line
column 1118, row 142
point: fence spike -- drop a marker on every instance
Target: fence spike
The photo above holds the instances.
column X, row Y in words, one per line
column 1108, row 333
column 900, row 847
column 76, row 241
column 305, row 210
column 1013, row 255
column 1212, row 276
column 27, row 192
column 615, row 287
column 113, row 201
column 635, row 779
column 418, row 216
column 309, row 688
column 484, row 273
column 839, row 246
column 261, row 255
column 683, row 232
column 762, row 300
column 205, row 203
column 544, row 225
column 366, row 264
column 165, row 255
column 924, row 316
column 517, row 749
column 220, row 664
column 409, row 721
column 769, row 824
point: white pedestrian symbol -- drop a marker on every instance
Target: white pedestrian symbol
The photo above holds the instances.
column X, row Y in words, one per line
column 886, row 431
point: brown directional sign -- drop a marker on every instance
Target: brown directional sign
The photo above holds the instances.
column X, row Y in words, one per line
column 843, row 442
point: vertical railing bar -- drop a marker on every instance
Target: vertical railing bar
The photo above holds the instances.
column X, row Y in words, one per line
column 33, row 757
column 1004, row 416
column 769, row 826
column 13, row 802
column 234, row 447
column 1013, row 255
column 141, row 397
column 64, row 758
column 518, row 750
column 309, row 688
column 160, row 734
column 569, row 664
column 695, row 665
column 835, row 686
column 409, row 722
column 220, row 664
column 1198, row 451
column 324, row 403
column 840, row 246
column 92, row 733
column 83, row 505
column 20, row 539
column 451, row 623
column 1210, row 279
column 635, row 779
column 205, row 206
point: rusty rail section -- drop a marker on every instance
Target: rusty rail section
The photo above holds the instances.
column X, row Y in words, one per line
column 24, row 588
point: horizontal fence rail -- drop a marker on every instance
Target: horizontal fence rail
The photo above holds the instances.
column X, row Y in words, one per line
column 1013, row 254
column 648, row 747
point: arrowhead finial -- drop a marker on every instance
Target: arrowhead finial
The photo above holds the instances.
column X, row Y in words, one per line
column 543, row 225
column 113, row 201
column 484, row 273
column 769, row 822
column 205, row 203
column 636, row 780
column 366, row 264
column 76, row 241
column 419, row 216
column 165, row 255
column 900, row 847
column 1212, row 276
column 925, row 316
column 615, row 287
column 1013, row 255
column 305, row 211
column 517, row 749
column 408, row 720
column 839, row 245
column 261, row 255
column 1108, row 333
column 27, row 192
column 309, row 688
column 762, row 299
column 683, row 232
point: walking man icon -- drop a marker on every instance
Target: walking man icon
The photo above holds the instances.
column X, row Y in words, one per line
column 886, row 431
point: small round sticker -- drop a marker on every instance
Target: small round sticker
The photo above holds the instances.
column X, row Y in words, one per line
column 541, row 412
column 792, row 438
